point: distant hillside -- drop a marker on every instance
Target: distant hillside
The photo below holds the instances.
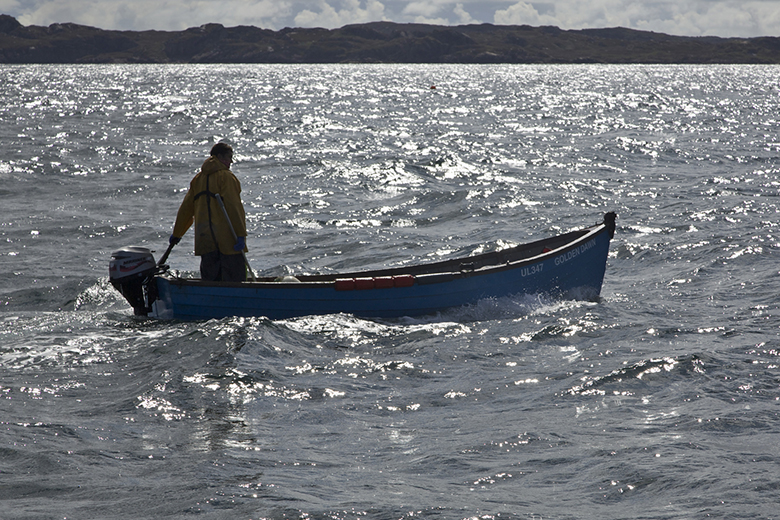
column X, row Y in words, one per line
column 377, row 42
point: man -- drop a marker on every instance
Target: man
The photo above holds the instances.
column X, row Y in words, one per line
column 221, row 257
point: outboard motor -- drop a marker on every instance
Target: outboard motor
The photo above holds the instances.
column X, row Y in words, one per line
column 129, row 271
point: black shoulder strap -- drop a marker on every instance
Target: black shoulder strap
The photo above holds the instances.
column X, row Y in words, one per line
column 211, row 195
column 205, row 192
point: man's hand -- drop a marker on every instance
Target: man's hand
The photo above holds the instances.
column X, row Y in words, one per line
column 240, row 244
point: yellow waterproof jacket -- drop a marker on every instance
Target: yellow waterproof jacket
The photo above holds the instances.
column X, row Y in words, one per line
column 201, row 207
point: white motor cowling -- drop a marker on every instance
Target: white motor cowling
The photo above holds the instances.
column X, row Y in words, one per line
column 129, row 271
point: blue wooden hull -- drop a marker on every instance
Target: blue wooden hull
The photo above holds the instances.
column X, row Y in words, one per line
column 567, row 266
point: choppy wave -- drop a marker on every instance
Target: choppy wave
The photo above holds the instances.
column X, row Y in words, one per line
column 658, row 400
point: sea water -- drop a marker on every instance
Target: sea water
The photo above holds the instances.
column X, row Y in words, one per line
column 659, row 401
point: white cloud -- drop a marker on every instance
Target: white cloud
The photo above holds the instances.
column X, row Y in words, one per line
column 331, row 18
column 9, row 6
column 679, row 17
column 522, row 13
column 153, row 14
column 463, row 16
column 700, row 18
column 441, row 12
column 422, row 9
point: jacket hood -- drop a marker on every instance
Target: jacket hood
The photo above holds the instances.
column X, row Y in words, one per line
column 212, row 165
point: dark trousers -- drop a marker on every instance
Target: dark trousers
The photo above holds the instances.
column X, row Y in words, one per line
column 216, row 267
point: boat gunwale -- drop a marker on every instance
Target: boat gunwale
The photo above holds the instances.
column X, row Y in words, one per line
column 437, row 271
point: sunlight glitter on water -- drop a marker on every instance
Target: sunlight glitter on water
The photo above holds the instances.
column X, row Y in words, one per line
column 516, row 408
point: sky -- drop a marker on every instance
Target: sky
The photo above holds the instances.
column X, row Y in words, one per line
column 725, row 18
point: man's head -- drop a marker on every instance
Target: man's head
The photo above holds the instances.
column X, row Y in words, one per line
column 223, row 152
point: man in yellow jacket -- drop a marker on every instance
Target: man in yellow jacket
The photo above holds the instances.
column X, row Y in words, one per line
column 221, row 257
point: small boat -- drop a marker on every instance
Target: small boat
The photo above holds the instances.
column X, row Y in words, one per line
column 566, row 266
